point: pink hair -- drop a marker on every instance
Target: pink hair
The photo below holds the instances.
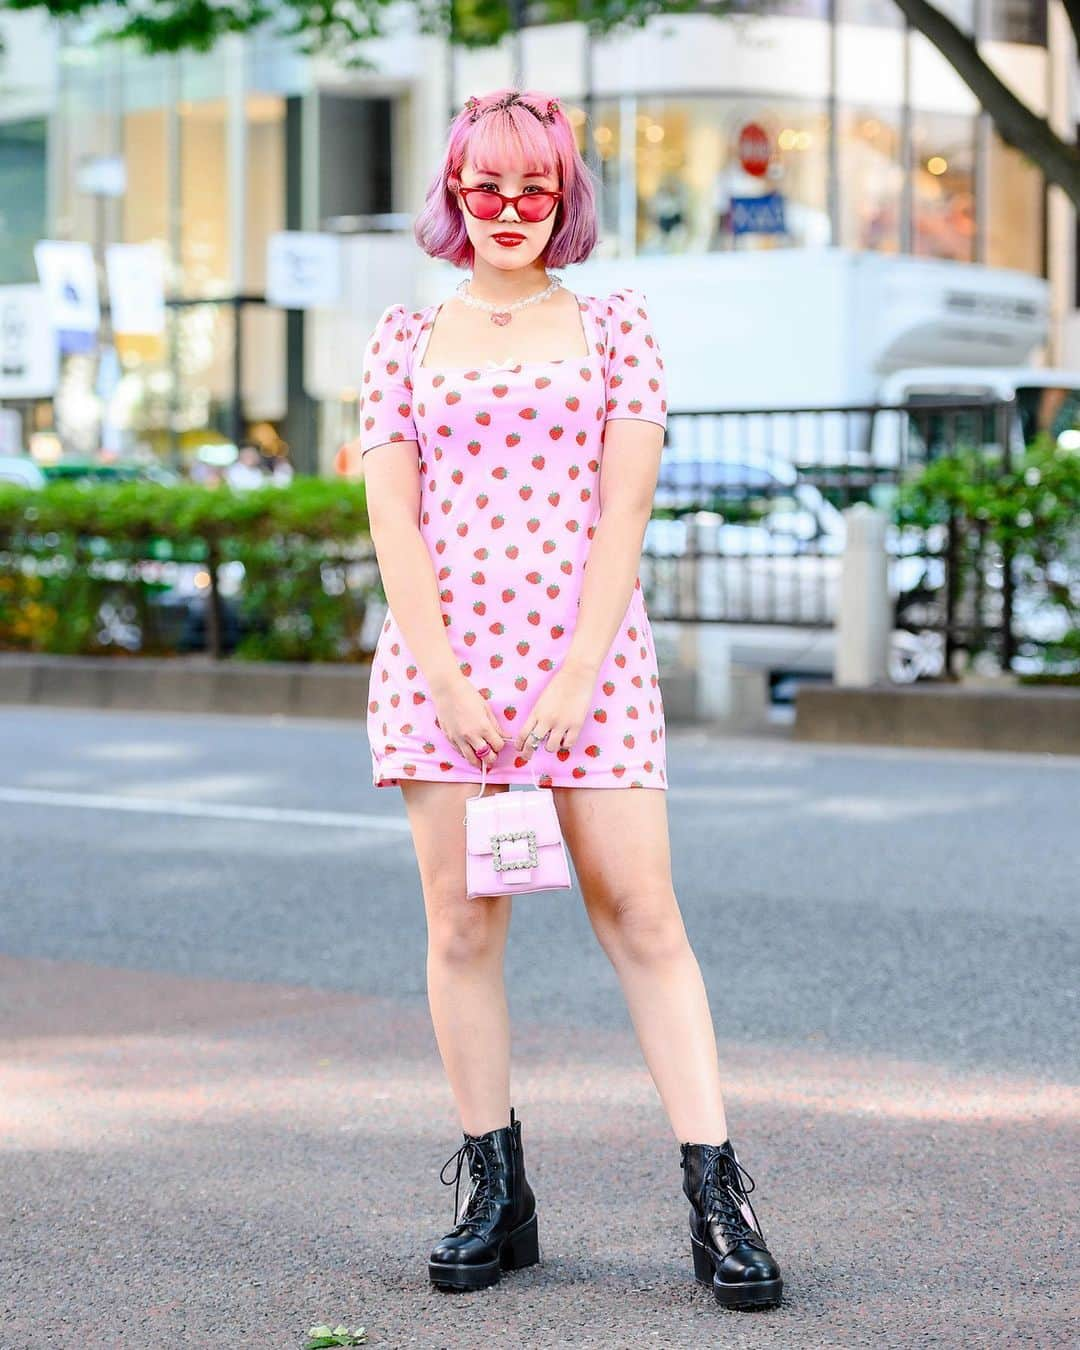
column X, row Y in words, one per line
column 504, row 140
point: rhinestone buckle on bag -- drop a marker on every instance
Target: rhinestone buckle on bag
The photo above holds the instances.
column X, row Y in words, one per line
column 497, row 841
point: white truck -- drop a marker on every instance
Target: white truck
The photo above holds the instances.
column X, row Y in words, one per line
column 750, row 338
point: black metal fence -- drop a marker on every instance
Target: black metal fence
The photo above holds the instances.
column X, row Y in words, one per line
column 748, row 522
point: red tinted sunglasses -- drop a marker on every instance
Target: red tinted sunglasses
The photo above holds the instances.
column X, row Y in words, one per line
column 530, row 206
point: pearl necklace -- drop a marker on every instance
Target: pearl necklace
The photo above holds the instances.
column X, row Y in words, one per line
column 502, row 316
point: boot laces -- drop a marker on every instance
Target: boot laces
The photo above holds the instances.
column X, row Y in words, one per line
column 724, row 1187
column 479, row 1202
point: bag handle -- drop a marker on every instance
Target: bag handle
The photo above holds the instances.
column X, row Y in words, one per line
column 483, row 773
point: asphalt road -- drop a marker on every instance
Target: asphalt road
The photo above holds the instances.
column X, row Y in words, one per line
column 222, row 1113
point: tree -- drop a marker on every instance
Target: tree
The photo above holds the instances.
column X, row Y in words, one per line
column 1017, row 124
column 342, row 27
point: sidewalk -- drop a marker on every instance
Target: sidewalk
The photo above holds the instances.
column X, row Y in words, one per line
column 193, row 1162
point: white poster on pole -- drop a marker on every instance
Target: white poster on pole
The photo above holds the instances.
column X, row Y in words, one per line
column 68, row 275
column 136, row 274
column 28, row 353
column 303, row 270
column 10, row 432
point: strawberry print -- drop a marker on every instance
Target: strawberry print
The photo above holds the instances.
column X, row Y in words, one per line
column 509, row 462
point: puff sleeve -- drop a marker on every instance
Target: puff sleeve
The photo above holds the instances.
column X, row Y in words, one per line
column 636, row 384
column 386, row 401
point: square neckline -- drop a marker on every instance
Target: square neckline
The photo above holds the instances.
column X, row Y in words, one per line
column 518, row 365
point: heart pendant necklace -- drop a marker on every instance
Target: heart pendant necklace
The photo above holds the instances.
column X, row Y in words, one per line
column 502, row 316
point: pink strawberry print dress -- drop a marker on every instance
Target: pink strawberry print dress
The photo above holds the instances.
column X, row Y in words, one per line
column 509, row 456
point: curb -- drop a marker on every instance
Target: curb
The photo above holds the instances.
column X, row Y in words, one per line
column 1019, row 717
column 195, row 684
column 186, row 684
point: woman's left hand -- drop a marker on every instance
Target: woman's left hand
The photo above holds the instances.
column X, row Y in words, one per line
column 560, row 711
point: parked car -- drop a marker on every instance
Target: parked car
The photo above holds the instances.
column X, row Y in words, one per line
column 119, row 471
column 181, row 604
column 770, row 544
column 21, row 470
column 774, row 558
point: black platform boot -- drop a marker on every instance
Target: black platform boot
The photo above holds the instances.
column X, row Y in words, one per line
column 728, row 1246
column 496, row 1227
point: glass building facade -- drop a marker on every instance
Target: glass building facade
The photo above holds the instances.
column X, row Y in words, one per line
column 222, row 150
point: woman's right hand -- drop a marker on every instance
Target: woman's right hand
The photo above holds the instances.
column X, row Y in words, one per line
column 466, row 718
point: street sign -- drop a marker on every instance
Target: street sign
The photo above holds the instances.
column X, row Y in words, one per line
column 136, row 274
column 68, row 277
column 28, row 354
column 758, row 215
column 303, row 270
column 755, row 149
column 102, row 175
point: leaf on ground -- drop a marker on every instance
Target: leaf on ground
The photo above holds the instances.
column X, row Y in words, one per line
column 322, row 1337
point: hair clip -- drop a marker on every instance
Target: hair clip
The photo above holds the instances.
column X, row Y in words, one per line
column 472, row 106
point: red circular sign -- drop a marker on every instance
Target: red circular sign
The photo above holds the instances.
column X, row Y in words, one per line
column 754, row 149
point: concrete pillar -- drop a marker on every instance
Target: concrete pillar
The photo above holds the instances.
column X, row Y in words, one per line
column 728, row 694
column 864, row 618
column 713, row 672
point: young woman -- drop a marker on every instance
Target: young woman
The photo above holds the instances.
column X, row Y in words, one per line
column 511, row 435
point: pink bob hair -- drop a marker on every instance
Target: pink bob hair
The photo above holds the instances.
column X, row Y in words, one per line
column 505, row 139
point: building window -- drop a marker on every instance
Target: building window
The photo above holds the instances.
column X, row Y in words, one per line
column 204, row 199
column 264, row 185
column 1014, row 225
column 145, row 207
column 686, row 163
column 943, row 186
column 799, row 9
column 871, row 179
column 22, row 198
column 885, row 14
column 86, row 123
column 606, row 139
column 879, row 13
column 1017, row 21
column 962, row 12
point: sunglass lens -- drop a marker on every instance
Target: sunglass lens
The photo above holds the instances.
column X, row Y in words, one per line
column 535, row 206
column 485, row 205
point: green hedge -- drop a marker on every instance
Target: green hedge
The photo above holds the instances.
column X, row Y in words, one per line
column 1030, row 511
column 75, row 553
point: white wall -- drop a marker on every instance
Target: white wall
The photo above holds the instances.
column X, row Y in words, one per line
column 28, row 66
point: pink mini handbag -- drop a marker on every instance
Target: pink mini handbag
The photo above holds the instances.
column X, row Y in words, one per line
column 513, row 841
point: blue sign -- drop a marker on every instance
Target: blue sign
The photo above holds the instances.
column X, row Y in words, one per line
column 758, row 215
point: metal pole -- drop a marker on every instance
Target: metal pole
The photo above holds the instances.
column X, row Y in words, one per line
column 236, row 141
column 174, row 190
column 984, row 128
column 833, row 171
column 907, row 197
column 236, row 419
column 1006, row 415
column 451, row 68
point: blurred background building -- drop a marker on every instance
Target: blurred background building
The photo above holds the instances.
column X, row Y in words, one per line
column 876, row 145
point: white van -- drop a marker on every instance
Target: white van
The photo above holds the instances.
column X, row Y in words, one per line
column 1046, row 399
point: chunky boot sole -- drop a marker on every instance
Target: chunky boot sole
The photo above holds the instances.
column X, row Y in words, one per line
column 752, row 1294
column 519, row 1249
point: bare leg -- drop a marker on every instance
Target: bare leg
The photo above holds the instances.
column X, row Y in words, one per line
column 466, row 945
column 635, row 915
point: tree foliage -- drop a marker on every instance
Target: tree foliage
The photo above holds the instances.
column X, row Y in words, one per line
column 342, row 28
